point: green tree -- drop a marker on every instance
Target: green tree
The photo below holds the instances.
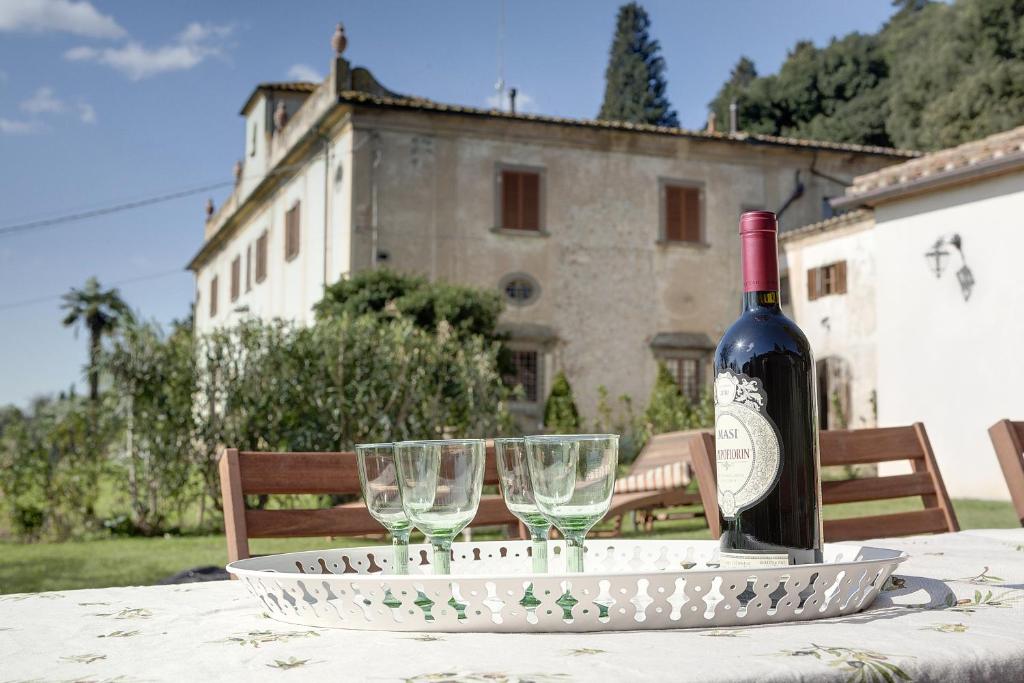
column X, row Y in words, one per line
column 101, row 312
column 936, row 75
column 155, row 380
column 387, row 295
column 668, row 410
column 560, row 413
column 635, row 85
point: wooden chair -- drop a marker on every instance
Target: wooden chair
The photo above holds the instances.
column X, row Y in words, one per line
column 1008, row 440
column 657, row 480
column 861, row 447
column 245, row 473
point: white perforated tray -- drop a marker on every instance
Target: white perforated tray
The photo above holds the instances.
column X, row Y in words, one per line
column 627, row 585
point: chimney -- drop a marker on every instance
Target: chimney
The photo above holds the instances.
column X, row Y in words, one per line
column 711, row 122
column 512, row 92
column 209, row 209
column 733, row 109
column 341, row 72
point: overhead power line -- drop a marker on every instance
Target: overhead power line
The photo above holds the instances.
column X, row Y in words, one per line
column 127, row 281
column 68, row 218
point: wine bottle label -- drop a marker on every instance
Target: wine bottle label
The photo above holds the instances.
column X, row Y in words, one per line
column 747, row 448
column 753, row 560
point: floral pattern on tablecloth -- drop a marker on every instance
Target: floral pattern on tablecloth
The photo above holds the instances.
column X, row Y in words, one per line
column 954, row 611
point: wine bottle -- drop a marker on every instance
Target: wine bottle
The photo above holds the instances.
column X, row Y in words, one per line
column 766, row 425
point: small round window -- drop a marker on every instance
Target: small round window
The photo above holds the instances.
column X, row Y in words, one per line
column 520, row 289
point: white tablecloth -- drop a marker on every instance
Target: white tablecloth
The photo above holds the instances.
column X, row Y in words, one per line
column 955, row 613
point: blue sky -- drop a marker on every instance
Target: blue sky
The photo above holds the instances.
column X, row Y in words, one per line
column 108, row 102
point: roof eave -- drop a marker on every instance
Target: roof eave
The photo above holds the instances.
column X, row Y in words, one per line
column 974, row 172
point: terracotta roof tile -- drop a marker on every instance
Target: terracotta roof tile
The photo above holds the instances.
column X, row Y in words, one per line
column 424, row 104
column 937, row 163
column 848, row 218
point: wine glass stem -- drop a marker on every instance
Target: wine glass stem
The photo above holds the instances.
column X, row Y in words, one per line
column 400, row 546
column 574, row 552
column 442, row 555
column 539, row 536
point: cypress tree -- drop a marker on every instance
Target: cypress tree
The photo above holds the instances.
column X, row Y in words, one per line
column 635, row 78
column 560, row 413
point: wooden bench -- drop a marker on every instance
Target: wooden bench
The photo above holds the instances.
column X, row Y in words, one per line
column 245, row 473
column 861, row 447
column 1008, row 440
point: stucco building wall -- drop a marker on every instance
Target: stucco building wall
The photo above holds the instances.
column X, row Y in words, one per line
column 952, row 363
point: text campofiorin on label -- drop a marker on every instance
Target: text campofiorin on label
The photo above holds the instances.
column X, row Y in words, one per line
column 747, row 450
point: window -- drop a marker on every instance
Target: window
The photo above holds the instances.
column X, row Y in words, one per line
column 784, row 290
column 291, row 233
column 519, row 289
column 252, row 144
column 520, row 199
column 687, row 373
column 236, row 278
column 523, row 373
column 213, row 297
column 681, row 214
column 248, row 268
column 261, row 257
column 825, row 280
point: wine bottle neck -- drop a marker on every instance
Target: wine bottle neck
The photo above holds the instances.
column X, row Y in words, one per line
column 766, row 300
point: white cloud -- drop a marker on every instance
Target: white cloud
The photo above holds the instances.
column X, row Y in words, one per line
column 44, row 101
column 524, row 102
column 86, row 113
column 196, row 43
column 37, row 16
column 303, row 72
column 11, row 127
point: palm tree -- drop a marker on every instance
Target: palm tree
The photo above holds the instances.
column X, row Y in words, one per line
column 101, row 313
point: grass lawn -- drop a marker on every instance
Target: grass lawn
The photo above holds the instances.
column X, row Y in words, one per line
column 144, row 561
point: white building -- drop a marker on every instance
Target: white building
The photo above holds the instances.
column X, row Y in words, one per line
column 930, row 318
column 615, row 244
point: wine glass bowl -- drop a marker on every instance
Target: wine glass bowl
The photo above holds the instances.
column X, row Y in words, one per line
column 573, row 479
column 517, row 490
column 440, row 483
column 378, row 479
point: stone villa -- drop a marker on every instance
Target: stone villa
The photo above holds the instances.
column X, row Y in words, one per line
column 614, row 244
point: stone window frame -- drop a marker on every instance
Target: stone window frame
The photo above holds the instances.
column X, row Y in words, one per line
column 542, row 201
column 665, row 182
column 704, row 361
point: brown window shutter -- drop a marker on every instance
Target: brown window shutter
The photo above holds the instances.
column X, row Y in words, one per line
column 812, row 284
column 529, row 184
column 841, row 278
column 674, row 213
column 261, row 257
column 691, row 215
column 510, row 200
column 213, row 296
column 236, row 278
column 291, row 232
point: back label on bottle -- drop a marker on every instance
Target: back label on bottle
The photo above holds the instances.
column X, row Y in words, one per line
column 747, row 448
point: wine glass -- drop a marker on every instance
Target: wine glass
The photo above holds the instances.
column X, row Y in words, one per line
column 378, row 477
column 440, row 482
column 573, row 477
column 516, row 487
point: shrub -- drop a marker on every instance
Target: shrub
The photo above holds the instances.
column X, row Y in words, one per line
column 560, row 413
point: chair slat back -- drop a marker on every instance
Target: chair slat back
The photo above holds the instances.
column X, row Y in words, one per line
column 1008, row 440
column 862, row 447
column 663, row 449
column 245, row 473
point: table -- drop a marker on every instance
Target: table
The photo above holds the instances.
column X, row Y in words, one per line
column 955, row 612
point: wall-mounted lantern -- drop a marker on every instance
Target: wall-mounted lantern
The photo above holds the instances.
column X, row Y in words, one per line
column 937, row 256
